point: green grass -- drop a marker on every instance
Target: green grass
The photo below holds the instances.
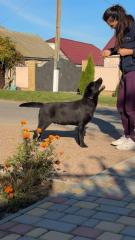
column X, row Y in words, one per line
column 42, row 96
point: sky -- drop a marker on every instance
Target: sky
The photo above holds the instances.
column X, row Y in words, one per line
column 81, row 20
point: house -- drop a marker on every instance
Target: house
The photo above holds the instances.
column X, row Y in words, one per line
column 33, row 49
column 76, row 51
column 109, row 71
column 79, row 52
column 37, row 71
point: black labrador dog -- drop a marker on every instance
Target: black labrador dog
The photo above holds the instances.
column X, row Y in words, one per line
column 77, row 113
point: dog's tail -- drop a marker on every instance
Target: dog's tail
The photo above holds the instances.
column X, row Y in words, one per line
column 32, row 104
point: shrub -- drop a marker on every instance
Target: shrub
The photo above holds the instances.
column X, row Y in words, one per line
column 22, row 174
column 87, row 75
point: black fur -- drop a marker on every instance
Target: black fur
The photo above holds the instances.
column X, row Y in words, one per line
column 77, row 113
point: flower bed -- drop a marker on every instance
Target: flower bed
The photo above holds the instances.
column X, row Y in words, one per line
column 27, row 176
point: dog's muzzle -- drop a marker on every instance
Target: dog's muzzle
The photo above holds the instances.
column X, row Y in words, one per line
column 102, row 87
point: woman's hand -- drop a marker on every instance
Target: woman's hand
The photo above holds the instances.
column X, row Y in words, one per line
column 125, row 52
column 106, row 53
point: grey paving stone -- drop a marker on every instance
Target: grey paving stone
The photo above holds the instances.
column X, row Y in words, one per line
column 87, row 232
column 37, row 232
column 117, row 210
column 131, row 205
column 53, row 215
column 112, row 202
column 85, row 212
column 58, row 207
column 91, row 222
column 56, row 225
column 70, row 218
column 37, row 212
column 7, row 225
column 130, row 231
column 127, row 220
column 110, row 226
column 53, row 235
column 27, row 219
column 72, row 209
column 110, row 236
column 106, row 216
column 21, row 228
column 11, row 237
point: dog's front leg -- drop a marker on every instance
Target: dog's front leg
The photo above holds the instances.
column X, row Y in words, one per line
column 81, row 133
column 36, row 135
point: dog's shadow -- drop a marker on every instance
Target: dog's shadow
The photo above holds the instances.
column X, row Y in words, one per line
column 61, row 133
column 105, row 127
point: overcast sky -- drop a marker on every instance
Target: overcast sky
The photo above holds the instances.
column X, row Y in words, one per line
column 81, row 20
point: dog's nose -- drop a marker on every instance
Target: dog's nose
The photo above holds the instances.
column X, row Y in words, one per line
column 100, row 80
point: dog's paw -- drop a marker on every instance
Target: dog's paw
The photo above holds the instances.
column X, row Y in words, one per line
column 83, row 145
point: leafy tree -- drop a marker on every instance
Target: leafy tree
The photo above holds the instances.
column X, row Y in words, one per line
column 9, row 56
column 87, row 75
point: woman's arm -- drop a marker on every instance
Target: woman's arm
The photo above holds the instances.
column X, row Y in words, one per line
column 126, row 52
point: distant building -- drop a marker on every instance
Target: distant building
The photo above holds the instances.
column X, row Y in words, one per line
column 33, row 49
column 76, row 51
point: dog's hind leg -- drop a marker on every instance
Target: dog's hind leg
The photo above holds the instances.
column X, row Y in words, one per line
column 81, row 133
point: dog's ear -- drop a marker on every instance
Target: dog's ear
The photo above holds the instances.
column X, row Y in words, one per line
column 90, row 85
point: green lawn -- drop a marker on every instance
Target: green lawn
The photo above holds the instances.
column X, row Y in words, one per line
column 42, row 96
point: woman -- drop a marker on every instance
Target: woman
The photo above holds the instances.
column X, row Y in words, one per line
column 124, row 26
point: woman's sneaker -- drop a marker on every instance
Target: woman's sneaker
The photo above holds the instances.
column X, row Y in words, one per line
column 129, row 144
column 121, row 140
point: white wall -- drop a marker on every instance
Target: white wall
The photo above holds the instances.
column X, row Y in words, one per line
column 22, row 77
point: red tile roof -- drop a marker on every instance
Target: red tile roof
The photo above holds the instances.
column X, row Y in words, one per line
column 110, row 44
column 77, row 51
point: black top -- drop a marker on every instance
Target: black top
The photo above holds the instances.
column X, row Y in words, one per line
column 127, row 63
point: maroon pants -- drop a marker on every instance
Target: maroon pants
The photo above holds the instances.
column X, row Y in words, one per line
column 126, row 103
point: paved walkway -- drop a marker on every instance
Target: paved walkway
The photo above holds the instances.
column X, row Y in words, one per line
column 101, row 207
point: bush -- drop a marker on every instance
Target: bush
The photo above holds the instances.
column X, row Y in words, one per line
column 25, row 172
column 87, row 75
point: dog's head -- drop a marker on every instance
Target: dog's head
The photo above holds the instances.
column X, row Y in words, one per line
column 93, row 89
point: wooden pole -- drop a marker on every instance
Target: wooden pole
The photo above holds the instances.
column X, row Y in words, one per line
column 57, row 48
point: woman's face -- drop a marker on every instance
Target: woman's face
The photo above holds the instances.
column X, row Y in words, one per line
column 112, row 23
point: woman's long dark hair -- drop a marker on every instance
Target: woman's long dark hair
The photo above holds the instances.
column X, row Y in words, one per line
column 118, row 13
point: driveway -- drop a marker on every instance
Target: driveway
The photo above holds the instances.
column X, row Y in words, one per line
column 75, row 162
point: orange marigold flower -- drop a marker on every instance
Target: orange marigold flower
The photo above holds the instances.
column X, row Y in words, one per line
column 26, row 129
column 26, row 135
column 44, row 144
column 57, row 136
column 23, row 122
column 8, row 189
column 39, row 130
column 51, row 137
